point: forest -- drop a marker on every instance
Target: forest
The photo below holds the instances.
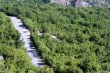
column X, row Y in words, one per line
column 82, row 43
column 15, row 58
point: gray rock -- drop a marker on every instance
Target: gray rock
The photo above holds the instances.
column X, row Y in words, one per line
column 83, row 3
column 1, row 58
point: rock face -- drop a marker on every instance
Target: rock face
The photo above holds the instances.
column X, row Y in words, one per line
column 83, row 3
column 99, row 3
column 64, row 2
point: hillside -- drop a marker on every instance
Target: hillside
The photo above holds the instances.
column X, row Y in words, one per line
column 76, row 3
column 68, row 39
column 11, row 49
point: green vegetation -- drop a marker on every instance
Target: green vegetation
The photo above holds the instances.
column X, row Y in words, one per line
column 83, row 34
column 15, row 59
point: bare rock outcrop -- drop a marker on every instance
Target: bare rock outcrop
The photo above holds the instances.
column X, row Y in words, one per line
column 83, row 3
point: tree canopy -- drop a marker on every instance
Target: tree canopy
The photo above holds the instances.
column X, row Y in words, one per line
column 83, row 34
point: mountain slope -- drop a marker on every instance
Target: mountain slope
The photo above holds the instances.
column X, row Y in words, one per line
column 83, row 3
column 83, row 34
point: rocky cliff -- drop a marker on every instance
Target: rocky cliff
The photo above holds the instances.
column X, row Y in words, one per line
column 100, row 3
column 83, row 3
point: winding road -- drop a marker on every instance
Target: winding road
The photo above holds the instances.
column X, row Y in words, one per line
column 28, row 44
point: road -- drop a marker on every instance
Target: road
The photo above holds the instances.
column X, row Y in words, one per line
column 28, row 44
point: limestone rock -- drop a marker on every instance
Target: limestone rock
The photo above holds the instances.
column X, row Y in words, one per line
column 83, row 3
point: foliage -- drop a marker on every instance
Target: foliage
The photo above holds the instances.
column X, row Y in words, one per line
column 83, row 34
